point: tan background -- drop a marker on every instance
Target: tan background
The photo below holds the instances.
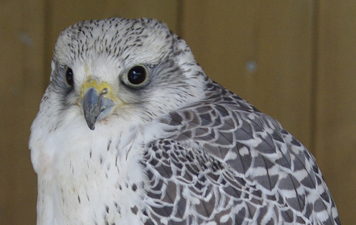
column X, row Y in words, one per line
column 294, row 60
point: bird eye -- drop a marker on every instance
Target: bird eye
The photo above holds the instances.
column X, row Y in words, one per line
column 69, row 76
column 137, row 75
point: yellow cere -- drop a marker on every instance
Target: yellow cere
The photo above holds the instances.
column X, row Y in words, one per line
column 99, row 87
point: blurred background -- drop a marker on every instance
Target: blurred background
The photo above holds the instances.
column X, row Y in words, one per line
column 294, row 60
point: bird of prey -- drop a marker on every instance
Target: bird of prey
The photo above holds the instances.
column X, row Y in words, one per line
column 131, row 131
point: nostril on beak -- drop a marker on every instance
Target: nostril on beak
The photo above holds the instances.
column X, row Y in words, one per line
column 104, row 91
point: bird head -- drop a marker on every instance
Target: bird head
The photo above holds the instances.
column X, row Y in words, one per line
column 132, row 69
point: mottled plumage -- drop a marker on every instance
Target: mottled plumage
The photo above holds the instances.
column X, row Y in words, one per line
column 131, row 131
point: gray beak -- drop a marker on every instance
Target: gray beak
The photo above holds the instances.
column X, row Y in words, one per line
column 96, row 106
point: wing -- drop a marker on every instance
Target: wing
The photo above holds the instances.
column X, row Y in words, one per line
column 227, row 163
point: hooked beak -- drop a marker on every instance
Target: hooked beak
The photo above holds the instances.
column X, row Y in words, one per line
column 97, row 102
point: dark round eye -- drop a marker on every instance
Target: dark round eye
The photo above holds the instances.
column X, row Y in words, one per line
column 69, row 76
column 137, row 75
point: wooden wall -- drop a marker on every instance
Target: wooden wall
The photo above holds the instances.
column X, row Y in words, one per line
column 293, row 60
column 21, row 86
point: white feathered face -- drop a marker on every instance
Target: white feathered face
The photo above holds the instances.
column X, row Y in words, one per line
column 133, row 69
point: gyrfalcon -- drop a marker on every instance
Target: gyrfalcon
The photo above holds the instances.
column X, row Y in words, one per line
column 131, row 131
